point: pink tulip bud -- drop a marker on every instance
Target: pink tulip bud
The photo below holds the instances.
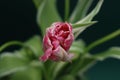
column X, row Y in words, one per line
column 57, row 41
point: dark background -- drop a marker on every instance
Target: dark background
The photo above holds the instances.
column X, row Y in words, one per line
column 18, row 22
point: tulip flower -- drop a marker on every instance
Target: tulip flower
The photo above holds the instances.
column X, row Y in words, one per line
column 57, row 42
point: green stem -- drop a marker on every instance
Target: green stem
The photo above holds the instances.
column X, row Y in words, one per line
column 76, row 68
column 102, row 40
column 11, row 43
column 67, row 4
column 46, row 75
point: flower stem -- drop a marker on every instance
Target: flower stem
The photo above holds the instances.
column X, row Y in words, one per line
column 11, row 43
column 77, row 65
column 102, row 40
column 67, row 3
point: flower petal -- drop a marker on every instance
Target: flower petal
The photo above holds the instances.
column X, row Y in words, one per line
column 46, row 43
column 57, row 41
column 62, row 55
column 46, row 55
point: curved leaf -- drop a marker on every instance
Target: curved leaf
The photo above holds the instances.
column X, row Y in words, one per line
column 80, row 27
column 67, row 77
column 10, row 63
column 113, row 52
column 93, row 13
column 87, row 64
column 80, row 10
column 88, row 18
column 37, row 3
column 57, row 68
column 78, row 47
column 47, row 14
column 90, row 60
column 31, row 73
column 77, row 25
column 19, row 60
column 35, row 45
column 82, row 64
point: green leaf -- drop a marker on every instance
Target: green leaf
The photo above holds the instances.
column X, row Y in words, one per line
column 93, row 13
column 32, row 73
column 87, row 63
column 80, row 10
column 82, row 64
column 10, row 63
column 47, row 14
column 57, row 68
column 35, row 45
column 77, row 25
column 78, row 47
column 79, row 28
column 67, row 77
column 90, row 60
column 19, row 59
column 37, row 3
column 88, row 18
column 113, row 52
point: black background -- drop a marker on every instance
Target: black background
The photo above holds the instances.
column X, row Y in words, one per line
column 18, row 22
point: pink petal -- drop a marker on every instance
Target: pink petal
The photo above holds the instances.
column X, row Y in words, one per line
column 46, row 43
column 62, row 55
column 57, row 41
column 46, row 55
column 69, row 41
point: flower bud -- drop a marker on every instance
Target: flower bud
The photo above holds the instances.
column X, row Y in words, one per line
column 57, row 42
